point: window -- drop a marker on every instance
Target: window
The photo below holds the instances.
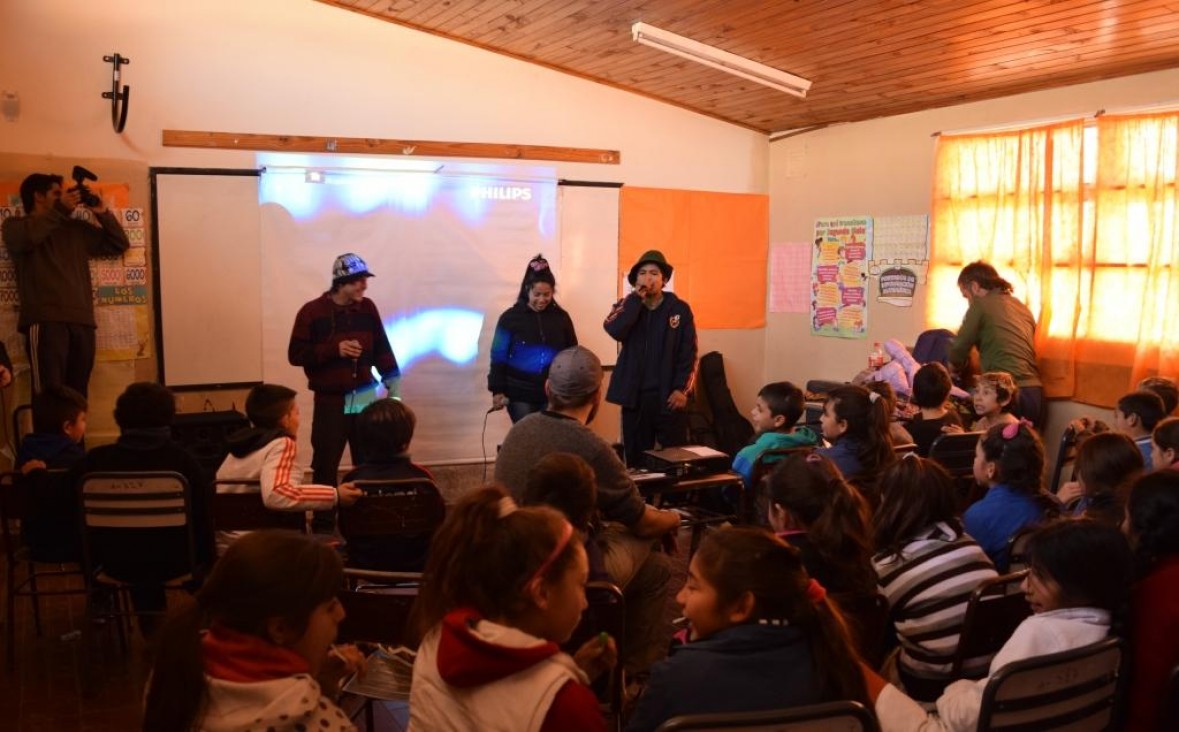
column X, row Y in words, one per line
column 1082, row 220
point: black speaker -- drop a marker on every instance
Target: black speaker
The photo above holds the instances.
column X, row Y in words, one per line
column 205, row 435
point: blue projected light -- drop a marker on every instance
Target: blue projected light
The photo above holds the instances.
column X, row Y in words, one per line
column 452, row 333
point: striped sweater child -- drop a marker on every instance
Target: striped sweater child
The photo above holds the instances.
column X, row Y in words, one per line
column 928, row 587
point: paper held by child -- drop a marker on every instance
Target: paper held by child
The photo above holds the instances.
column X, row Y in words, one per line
column 388, row 676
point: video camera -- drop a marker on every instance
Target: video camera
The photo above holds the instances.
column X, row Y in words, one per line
column 80, row 176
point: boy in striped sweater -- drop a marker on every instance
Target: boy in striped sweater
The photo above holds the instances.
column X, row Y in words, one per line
column 266, row 452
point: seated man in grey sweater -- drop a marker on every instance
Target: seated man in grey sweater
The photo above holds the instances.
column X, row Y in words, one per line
column 574, row 390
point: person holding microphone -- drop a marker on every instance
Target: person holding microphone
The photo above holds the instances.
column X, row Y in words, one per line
column 338, row 338
column 656, row 367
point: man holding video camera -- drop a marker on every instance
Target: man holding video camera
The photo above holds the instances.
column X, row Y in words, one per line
column 51, row 251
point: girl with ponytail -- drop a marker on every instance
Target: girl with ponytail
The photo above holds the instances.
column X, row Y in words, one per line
column 813, row 509
column 503, row 587
column 856, row 423
column 764, row 636
column 251, row 649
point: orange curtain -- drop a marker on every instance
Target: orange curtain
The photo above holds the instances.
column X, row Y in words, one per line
column 1134, row 291
column 1016, row 200
column 718, row 244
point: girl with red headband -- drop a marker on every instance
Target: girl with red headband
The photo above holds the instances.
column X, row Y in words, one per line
column 763, row 636
column 504, row 586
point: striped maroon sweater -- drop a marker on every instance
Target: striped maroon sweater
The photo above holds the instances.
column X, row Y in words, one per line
column 319, row 328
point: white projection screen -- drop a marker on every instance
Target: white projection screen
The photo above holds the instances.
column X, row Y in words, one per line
column 448, row 250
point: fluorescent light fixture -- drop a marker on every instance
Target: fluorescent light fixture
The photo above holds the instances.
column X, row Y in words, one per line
column 720, row 60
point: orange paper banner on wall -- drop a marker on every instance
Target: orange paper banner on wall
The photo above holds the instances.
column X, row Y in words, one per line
column 718, row 244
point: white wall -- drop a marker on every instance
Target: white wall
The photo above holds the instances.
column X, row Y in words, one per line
column 303, row 68
column 885, row 168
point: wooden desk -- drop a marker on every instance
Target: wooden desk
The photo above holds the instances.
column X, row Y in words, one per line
column 654, row 489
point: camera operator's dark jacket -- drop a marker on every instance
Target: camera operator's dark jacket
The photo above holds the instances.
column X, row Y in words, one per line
column 51, row 253
column 662, row 341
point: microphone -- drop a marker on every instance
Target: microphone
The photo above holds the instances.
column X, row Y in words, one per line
column 355, row 367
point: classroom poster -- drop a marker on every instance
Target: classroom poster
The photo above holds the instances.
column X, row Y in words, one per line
column 121, row 304
column 897, row 286
column 839, row 276
column 790, row 280
column 900, row 241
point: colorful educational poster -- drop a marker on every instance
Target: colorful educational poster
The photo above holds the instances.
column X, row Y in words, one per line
column 121, row 303
column 839, row 276
column 897, row 286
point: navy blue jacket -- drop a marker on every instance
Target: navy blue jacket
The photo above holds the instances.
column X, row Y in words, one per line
column 674, row 358
column 524, row 345
column 745, row 668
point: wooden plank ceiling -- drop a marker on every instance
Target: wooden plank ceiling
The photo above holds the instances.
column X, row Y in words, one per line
column 867, row 58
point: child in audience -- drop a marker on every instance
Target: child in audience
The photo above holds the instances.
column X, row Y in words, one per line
column 266, row 452
column 763, row 636
column 813, row 509
column 251, row 651
column 383, row 433
column 896, row 431
column 144, row 413
column 1009, row 463
column 504, row 586
column 1152, row 525
column 775, row 415
column 931, row 389
column 50, row 530
column 1166, row 388
column 1164, row 444
column 1136, row 415
column 59, row 424
column 1105, row 462
column 1077, row 581
column 994, row 398
column 566, row 482
column 855, row 421
column 927, row 568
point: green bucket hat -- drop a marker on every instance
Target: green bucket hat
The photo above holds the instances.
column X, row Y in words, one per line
column 655, row 257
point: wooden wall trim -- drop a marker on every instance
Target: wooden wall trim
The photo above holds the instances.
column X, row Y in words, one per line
column 380, row 146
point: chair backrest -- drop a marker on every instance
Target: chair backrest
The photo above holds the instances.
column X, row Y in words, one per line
column 377, row 606
column 46, row 501
column 869, row 620
column 1066, row 453
column 605, row 613
column 13, row 507
column 410, row 506
column 904, row 449
column 1074, row 690
column 1017, row 548
column 995, row 610
column 126, row 517
column 1170, row 712
column 844, row 716
column 955, row 453
column 245, row 511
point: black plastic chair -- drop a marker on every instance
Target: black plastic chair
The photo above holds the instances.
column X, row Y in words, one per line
column 17, row 505
column 392, row 523
column 955, row 453
column 1066, row 454
column 1074, row 690
column 239, row 510
column 606, row 613
column 995, row 610
column 1017, row 548
column 844, row 716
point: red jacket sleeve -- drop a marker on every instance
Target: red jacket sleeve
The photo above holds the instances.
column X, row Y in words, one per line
column 574, row 709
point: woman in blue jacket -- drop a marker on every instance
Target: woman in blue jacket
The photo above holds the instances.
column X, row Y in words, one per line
column 527, row 337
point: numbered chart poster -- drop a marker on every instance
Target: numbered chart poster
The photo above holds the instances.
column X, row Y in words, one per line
column 121, row 305
column 839, row 276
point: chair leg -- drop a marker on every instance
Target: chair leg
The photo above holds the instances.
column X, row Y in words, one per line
column 10, row 619
column 34, row 597
column 369, row 719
